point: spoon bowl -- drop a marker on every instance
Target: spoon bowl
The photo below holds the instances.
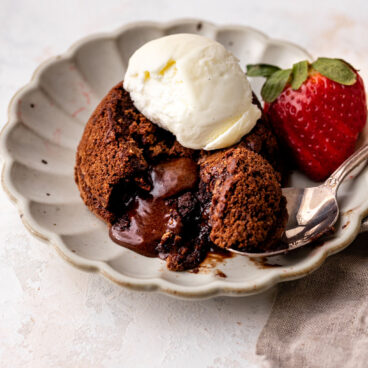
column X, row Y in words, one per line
column 312, row 212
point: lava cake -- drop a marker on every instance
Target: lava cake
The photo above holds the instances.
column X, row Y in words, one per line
column 162, row 199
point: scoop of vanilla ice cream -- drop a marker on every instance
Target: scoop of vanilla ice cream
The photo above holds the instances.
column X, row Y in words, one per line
column 194, row 88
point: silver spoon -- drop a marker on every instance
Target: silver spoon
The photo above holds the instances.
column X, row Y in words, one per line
column 312, row 211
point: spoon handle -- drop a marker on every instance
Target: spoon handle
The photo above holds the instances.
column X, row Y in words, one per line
column 346, row 167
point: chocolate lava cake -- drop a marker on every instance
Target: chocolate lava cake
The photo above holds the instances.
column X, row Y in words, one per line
column 162, row 199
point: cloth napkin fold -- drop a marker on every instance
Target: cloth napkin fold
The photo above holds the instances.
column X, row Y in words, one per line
column 322, row 319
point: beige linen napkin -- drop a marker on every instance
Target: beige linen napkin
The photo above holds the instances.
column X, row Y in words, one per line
column 322, row 319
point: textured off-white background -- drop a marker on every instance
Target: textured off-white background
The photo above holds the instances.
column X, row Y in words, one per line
column 52, row 315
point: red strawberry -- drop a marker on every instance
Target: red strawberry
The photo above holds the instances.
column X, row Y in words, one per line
column 317, row 109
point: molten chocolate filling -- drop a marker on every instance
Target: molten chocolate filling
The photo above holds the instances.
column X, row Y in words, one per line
column 150, row 216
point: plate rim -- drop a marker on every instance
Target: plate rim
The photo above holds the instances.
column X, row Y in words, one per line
column 217, row 288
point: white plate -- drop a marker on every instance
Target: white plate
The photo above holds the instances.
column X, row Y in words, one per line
column 46, row 120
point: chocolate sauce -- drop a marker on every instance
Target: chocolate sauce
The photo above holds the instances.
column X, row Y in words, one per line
column 173, row 177
column 215, row 256
column 149, row 218
column 263, row 263
column 219, row 273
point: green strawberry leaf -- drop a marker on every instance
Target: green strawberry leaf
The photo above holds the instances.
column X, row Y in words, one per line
column 261, row 70
column 275, row 84
column 336, row 70
column 299, row 74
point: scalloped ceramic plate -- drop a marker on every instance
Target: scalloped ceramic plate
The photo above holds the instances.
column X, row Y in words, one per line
column 46, row 120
